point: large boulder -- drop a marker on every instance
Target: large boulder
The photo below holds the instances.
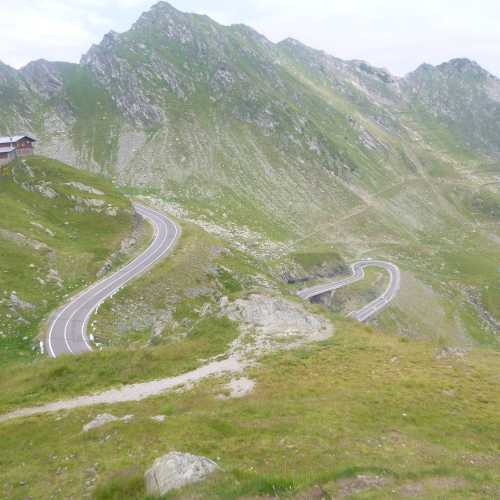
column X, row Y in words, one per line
column 176, row 470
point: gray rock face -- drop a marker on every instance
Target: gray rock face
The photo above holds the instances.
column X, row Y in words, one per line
column 159, row 418
column 465, row 96
column 181, row 100
column 44, row 78
column 176, row 470
column 43, row 188
column 84, row 188
column 17, row 303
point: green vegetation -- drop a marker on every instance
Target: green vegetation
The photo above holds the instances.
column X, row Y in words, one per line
column 51, row 243
column 357, row 295
column 96, row 115
column 47, row 380
column 178, row 295
column 144, row 342
column 312, row 262
column 127, row 483
column 295, row 163
column 361, row 404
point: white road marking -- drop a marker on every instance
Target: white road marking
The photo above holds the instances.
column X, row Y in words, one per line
column 358, row 273
column 142, row 263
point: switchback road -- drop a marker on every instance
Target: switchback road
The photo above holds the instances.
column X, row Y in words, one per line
column 68, row 326
column 358, row 273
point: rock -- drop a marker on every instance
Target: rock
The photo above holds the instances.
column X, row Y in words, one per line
column 44, row 188
column 353, row 486
column 276, row 323
column 103, row 419
column 194, row 293
column 99, row 421
column 451, row 352
column 111, row 211
column 86, row 189
column 87, row 202
column 53, row 276
column 22, row 240
column 176, row 470
column 159, row 418
column 17, row 303
column 43, row 228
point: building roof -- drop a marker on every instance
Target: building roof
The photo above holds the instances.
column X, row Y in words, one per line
column 14, row 138
column 6, row 150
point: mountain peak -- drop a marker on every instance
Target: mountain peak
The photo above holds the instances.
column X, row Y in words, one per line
column 461, row 62
column 159, row 12
column 163, row 6
column 458, row 66
column 291, row 42
column 39, row 63
column 463, row 65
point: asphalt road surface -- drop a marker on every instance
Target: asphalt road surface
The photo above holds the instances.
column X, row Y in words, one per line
column 68, row 326
column 358, row 273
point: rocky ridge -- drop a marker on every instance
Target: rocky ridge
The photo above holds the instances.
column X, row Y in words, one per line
column 201, row 110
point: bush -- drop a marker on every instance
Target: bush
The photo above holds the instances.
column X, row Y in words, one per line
column 124, row 484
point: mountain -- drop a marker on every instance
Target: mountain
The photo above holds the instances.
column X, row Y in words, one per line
column 290, row 143
column 282, row 165
column 464, row 97
column 182, row 101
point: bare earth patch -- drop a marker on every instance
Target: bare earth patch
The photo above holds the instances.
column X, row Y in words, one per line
column 238, row 388
column 442, row 484
column 359, row 484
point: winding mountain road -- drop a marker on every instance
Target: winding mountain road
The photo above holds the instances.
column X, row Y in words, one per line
column 358, row 273
column 68, row 326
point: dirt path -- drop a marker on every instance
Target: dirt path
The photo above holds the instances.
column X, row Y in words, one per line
column 267, row 323
column 134, row 392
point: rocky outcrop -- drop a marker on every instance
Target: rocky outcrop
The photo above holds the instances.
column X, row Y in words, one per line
column 84, row 188
column 43, row 188
column 176, row 470
column 17, row 303
column 44, row 78
column 270, row 323
column 22, row 240
column 104, row 419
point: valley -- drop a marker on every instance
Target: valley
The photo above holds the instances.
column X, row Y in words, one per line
column 194, row 186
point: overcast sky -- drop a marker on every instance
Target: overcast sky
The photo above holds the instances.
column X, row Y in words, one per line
column 395, row 34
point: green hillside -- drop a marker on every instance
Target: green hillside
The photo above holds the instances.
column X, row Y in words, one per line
column 362, row 416
column 301, row 148
column 58, row 228
column 283, row 165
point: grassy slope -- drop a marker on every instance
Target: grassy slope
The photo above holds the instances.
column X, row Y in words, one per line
column 199, row 272
column 360, row 404
column 406, row 185
column 75, row 244
column 170, row 298
column 265, row 150
column 423, row 209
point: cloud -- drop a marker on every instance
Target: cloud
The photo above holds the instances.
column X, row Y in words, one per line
column 397, row 34
column 61, row 30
